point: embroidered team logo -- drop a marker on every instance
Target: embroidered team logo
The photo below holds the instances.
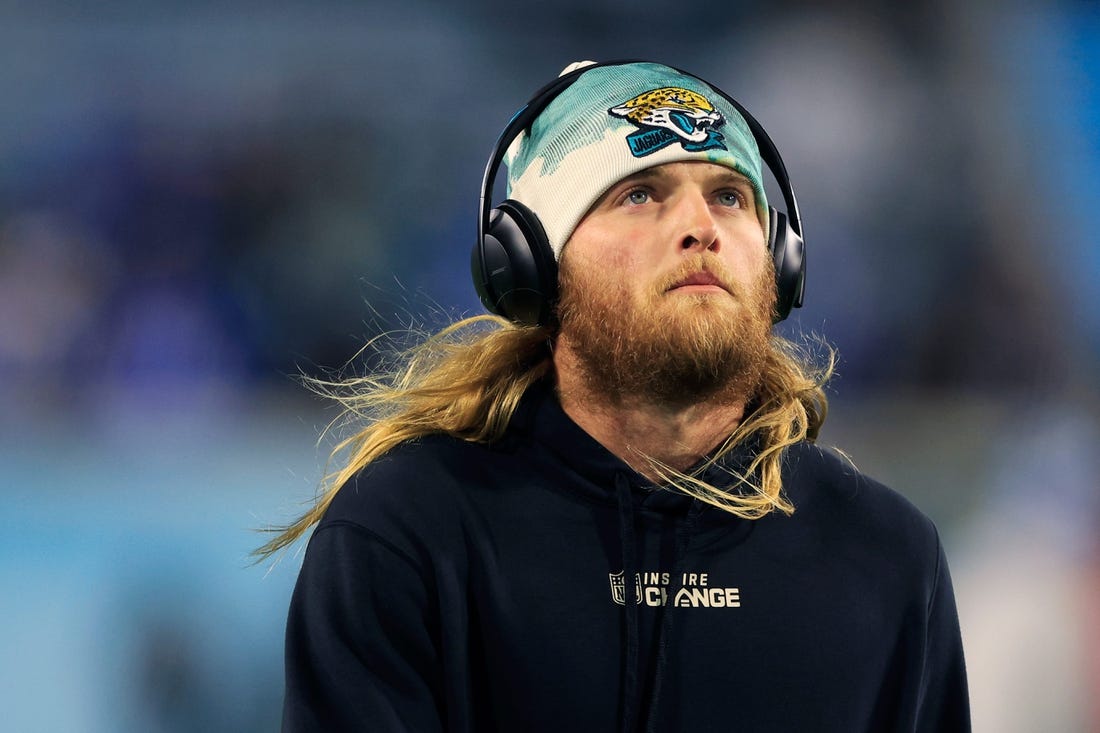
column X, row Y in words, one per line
column 668, row 115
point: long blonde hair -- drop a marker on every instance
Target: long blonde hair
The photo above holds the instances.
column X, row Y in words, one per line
column 467, row 380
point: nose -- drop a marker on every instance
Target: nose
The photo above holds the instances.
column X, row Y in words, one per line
column 698, row 229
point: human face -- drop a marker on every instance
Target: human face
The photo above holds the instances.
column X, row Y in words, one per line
column 646, row 226
column 667, row 287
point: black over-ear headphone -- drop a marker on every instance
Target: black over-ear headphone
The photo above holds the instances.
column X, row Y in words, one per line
column 514, row 269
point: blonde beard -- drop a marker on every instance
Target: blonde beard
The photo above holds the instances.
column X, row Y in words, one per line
column 674, row 351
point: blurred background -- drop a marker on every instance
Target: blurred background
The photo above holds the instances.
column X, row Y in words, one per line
column 200, row 200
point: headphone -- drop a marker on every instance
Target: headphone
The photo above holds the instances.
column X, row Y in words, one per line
column 513, row 266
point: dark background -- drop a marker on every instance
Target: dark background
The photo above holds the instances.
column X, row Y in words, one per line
column 200, row 200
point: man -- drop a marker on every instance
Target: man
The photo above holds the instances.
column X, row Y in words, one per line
column 614, row 518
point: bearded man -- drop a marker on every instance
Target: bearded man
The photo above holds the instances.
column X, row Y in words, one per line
column 605, row 511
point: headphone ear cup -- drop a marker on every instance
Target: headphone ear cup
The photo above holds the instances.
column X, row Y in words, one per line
column 789, row 256
column 514, row 269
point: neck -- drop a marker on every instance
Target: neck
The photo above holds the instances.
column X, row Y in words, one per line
column 635, row 428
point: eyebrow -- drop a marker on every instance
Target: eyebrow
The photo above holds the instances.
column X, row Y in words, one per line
column 658, row 173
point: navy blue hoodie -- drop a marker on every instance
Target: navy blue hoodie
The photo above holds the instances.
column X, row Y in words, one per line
column 540, row 584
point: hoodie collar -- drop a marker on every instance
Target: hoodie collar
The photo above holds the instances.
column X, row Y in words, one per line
column 541, row 416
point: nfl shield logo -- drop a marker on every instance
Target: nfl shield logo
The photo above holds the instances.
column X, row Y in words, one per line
column 618, row 588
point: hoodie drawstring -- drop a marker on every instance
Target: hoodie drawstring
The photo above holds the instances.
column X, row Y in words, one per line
column 683, row 538
column 684, row 532
column 630, row 599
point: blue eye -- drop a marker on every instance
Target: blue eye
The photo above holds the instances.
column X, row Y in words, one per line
column 638, row 196
column 729, row 198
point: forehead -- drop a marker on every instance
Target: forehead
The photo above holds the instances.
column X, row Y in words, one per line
column 687, row 170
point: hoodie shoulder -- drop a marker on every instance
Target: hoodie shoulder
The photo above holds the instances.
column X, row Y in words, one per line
column 826, row 486
column 415, row 493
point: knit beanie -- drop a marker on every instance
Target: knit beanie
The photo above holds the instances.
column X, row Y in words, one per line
column 615, row 121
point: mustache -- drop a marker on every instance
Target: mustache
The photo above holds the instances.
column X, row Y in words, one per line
column 701, row 263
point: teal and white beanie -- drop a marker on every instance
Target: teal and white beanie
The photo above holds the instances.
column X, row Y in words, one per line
column 614, row 121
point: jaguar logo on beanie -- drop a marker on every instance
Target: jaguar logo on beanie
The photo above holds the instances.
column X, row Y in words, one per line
column 668, row 115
